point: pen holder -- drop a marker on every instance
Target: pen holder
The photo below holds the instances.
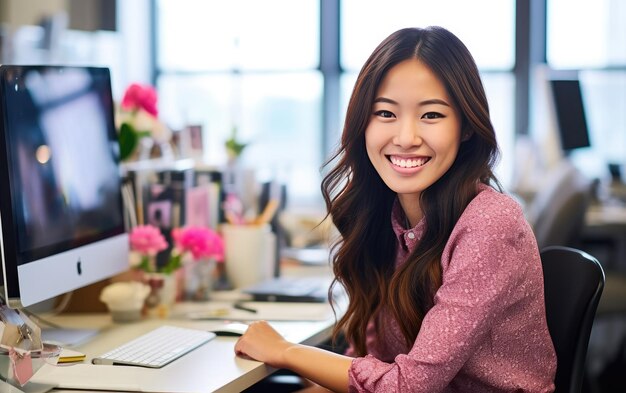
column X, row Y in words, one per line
column 249, row 253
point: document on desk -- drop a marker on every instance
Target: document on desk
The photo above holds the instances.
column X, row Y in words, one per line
column 254, row 311
column 87, row 376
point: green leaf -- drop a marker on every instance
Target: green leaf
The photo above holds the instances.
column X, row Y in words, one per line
column 142, row 134
column 234, row 145
column 145, row 264
column 172, row 265
column 128, row 140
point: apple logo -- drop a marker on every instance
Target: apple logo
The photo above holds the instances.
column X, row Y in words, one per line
column 79, row 268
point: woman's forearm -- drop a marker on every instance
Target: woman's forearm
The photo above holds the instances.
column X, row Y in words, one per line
column 325, row 368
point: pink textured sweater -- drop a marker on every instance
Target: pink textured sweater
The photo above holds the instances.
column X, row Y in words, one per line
column 487, row 329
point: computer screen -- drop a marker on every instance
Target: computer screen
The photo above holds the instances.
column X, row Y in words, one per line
column 61, row 208
column 570, row 114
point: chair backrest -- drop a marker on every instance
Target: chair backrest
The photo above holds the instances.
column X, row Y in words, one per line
column 557, row 213
column 573, row 284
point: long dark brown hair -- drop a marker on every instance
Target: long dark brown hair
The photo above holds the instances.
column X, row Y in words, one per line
column 359, row 203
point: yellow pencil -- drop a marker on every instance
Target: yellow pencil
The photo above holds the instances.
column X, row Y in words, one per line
column 268, row 213
column 71, row 357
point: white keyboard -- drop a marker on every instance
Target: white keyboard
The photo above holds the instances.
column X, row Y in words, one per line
column 156, row 348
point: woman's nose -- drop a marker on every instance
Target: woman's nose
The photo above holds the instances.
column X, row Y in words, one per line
column 408, row 135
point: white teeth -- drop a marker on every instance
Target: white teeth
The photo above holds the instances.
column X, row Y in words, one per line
column 408, row 163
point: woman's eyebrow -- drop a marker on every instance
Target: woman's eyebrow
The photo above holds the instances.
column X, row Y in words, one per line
column 432, row 101
column 385, row 100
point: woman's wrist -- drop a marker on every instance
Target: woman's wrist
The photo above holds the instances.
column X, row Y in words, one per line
column 290, row 355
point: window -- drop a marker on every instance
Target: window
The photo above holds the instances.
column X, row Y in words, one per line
column 251, row 65
column 583, row 34
column 590, row 38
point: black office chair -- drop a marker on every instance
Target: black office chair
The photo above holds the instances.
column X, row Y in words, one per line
column 573, row 284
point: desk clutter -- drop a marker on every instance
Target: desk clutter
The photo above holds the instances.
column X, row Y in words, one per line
column 22, row 352
column 217, row 224
column 194, row 230
column 70, row 220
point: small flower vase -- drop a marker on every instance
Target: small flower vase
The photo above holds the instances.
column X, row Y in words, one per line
column 162, row 293
column 199, row 279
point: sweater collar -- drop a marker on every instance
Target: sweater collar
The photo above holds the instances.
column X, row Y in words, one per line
column 407, row 237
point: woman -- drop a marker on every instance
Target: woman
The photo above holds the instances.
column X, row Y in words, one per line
column 442, row 271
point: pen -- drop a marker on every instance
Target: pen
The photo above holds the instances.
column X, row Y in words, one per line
column 241, row 306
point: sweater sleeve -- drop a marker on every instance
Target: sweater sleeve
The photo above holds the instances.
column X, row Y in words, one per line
column 483, row 264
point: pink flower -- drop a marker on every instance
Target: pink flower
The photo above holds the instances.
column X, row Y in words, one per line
column 140, row 97
column 147, row 240
column 201, row 242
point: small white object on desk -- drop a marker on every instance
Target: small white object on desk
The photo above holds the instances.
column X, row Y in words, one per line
column 125, row 300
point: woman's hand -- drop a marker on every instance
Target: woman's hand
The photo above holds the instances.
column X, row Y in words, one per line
column 261, row 342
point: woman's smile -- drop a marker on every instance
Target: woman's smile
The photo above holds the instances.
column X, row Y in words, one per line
column 407, row 164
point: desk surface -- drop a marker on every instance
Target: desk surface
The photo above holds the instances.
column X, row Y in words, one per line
column 213, row 367
column 607, row 214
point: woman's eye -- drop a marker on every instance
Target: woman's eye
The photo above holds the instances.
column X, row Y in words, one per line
column 432, row 115
column 384, row 113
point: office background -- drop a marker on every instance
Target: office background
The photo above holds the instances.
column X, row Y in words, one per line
column 281, row 71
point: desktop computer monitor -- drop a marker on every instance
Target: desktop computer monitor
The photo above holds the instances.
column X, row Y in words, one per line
column 570, row 114
column 61, row 211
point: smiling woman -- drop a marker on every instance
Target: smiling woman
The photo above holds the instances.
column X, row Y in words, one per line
column 441, row 268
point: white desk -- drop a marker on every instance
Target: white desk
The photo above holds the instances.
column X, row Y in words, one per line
column 213, row 367
column 606, row 224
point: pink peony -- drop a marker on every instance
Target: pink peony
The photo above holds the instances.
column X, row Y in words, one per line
column 147, row 240
column 140, row 97
column 201, row 242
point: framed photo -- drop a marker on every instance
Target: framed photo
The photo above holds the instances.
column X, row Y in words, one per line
column 160, row 213
column 195, row 139
column 197, row 208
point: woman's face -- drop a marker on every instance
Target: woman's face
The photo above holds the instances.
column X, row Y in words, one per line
column 414, row 131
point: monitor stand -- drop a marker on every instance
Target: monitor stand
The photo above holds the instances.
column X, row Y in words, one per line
column 59, row 335
column 67, row 337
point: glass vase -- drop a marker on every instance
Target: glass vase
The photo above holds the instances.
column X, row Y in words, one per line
column 162, row 293
column 199, row 279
